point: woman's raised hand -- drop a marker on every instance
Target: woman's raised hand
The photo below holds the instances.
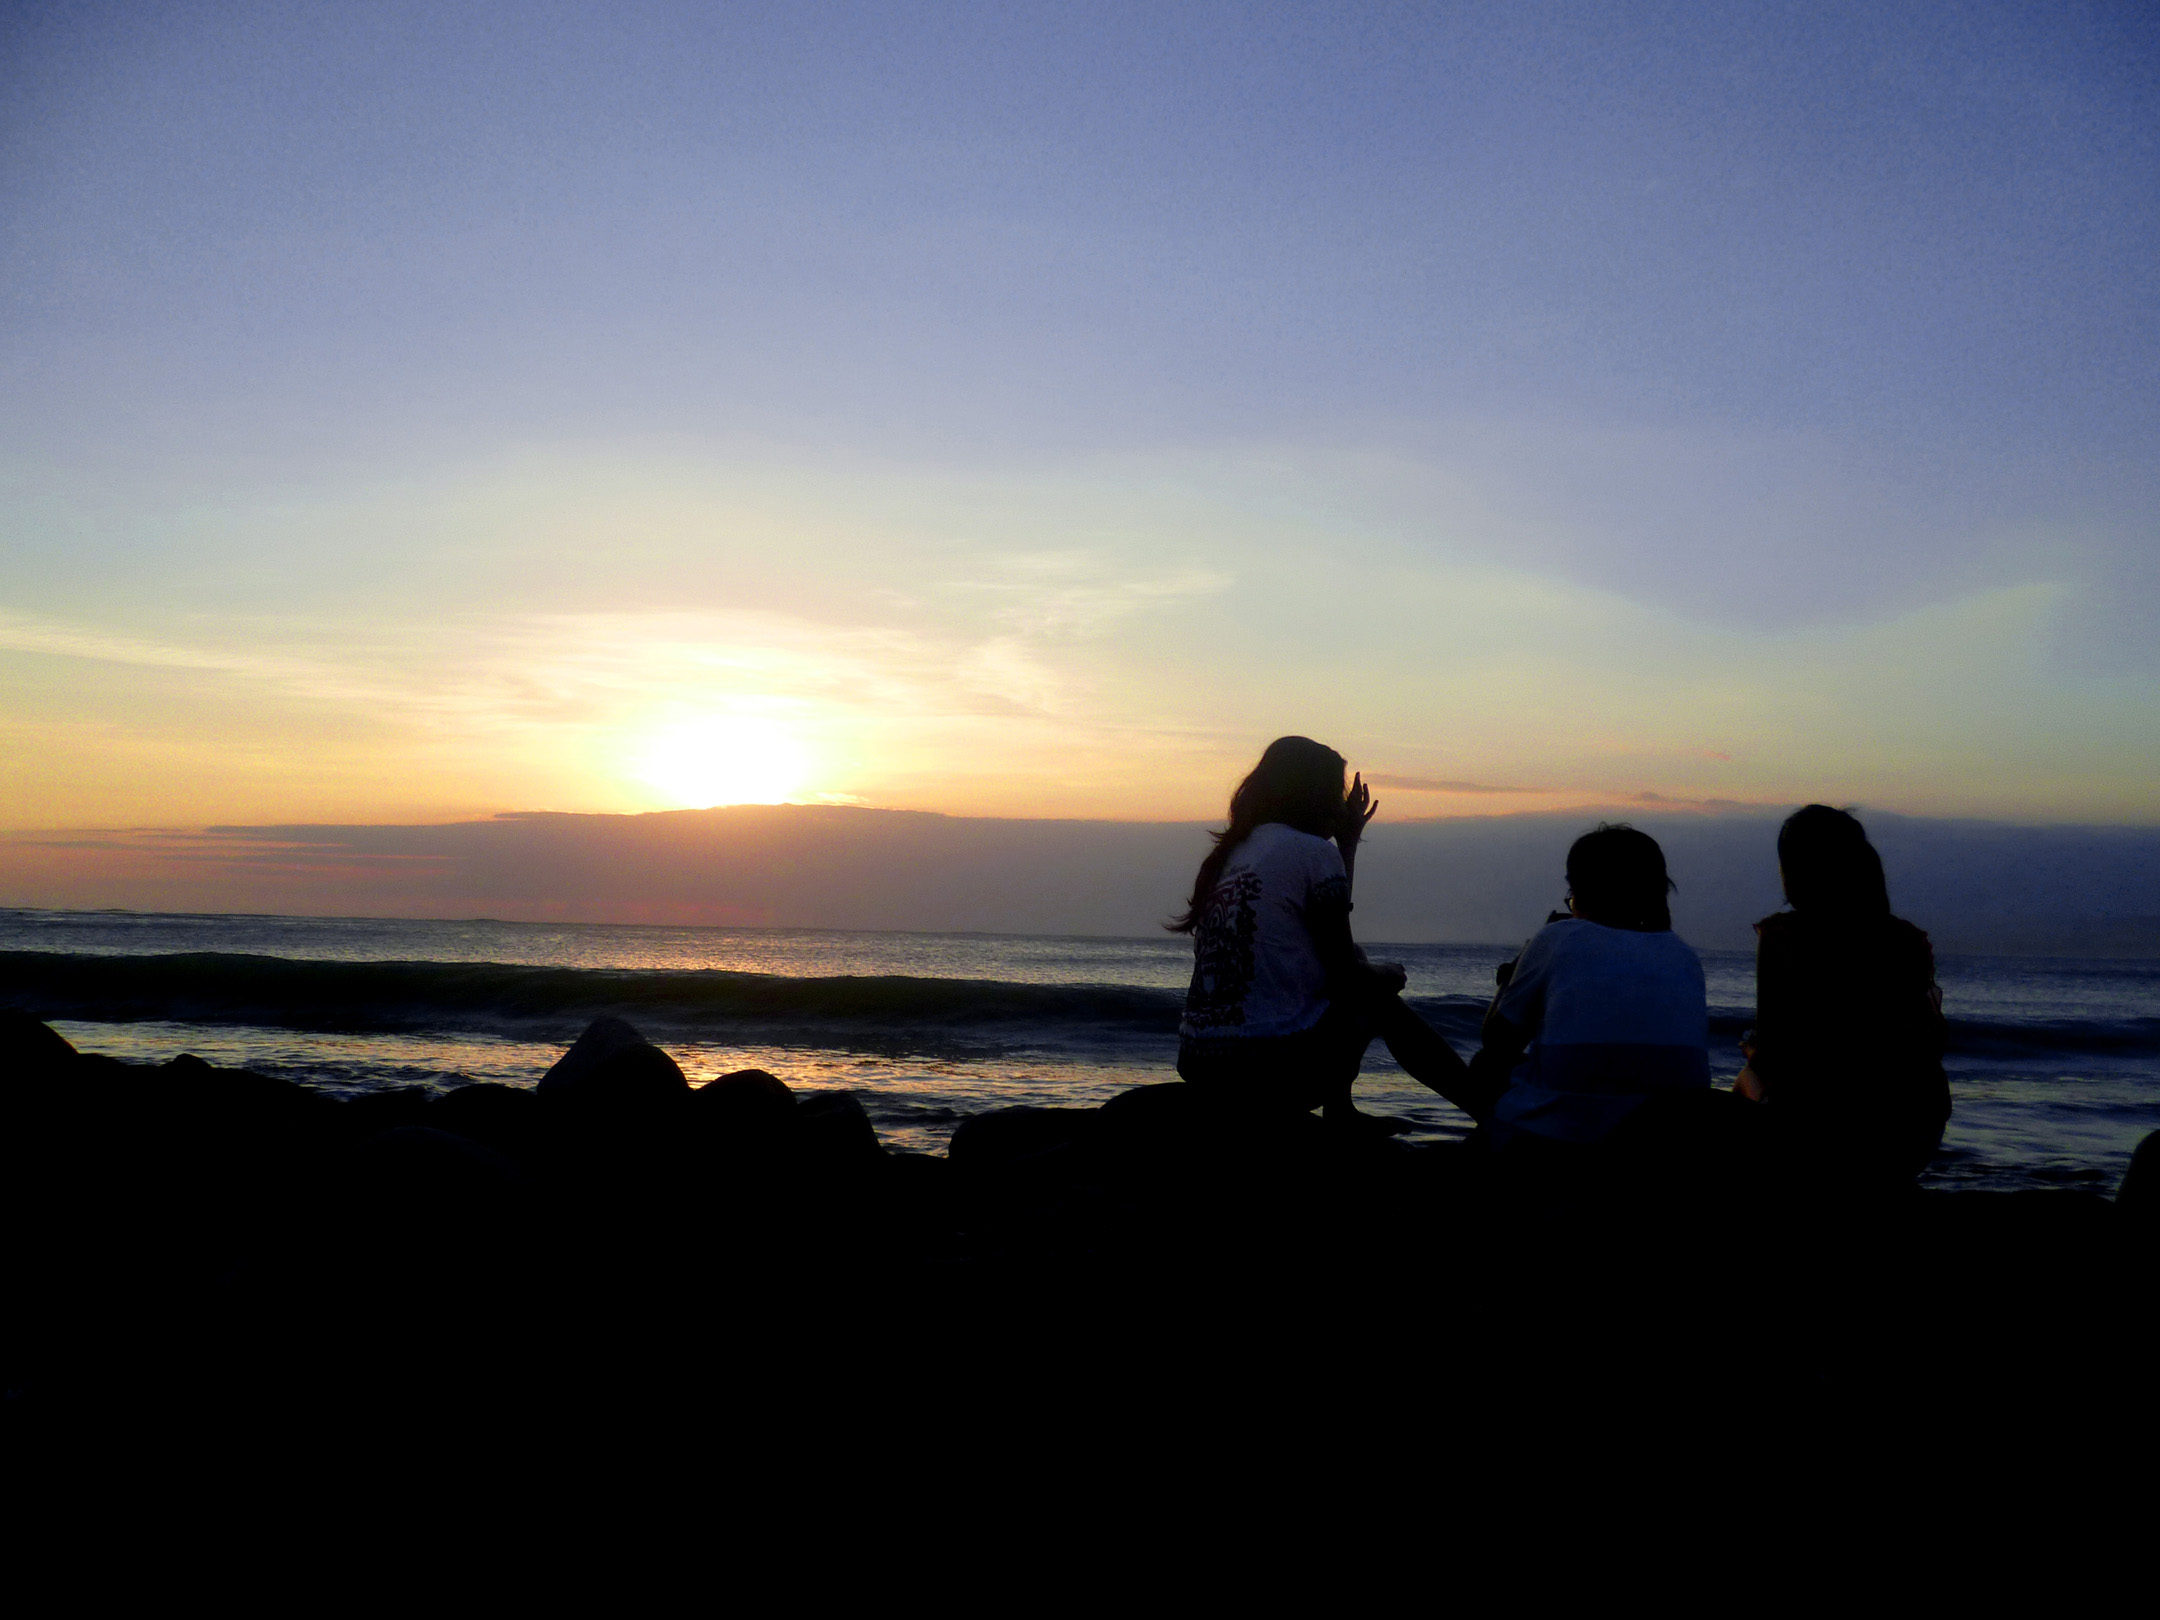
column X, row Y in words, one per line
column 1359, row 807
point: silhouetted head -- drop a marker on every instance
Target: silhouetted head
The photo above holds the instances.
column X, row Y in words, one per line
column 1298, row 782
column 1828, row 864
column 1616, row 876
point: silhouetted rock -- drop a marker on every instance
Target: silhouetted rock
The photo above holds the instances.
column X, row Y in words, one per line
column 603, row 1039
column 829, row 1128
column 373, row 1112
column 2137, row 1200
column 614, row 1071
column 621, row 1214
column 205, row 1097
column 29, row 1050
column 1007, row 1135
column 746, row 1100
column 505, row 1118
column 436, row 1239
column 1691, row 1146
column 635, row 1079
column 1167, row 1117
column 425, row 1176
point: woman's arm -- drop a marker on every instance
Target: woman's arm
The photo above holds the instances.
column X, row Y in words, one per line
column 1349, row 975
column 1502, row 1040
column 1359, row 807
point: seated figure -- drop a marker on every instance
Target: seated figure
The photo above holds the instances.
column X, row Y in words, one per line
column 1848, row 1040
column 1604, row 1008
column 1282, row 1003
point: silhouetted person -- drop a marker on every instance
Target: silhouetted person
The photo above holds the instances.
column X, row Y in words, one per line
column 1848, row 1042
column 1282, row 1003
column 1604, row 1009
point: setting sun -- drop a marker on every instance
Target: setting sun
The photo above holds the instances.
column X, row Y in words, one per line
column 727, row 759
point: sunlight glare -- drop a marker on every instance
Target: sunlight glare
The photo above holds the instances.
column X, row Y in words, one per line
column 727, row 759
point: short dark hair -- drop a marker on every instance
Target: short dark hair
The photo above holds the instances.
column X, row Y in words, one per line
column 1617, row 876
column 1829, row 865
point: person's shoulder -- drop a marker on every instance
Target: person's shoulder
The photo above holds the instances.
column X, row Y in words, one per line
column 1298, row 838
column 1559, row 938
column 1912, row 941
column 1911, row 933
column 1660, row 949
column 1676, row 949
column 1646, row 942
column 1287, row 844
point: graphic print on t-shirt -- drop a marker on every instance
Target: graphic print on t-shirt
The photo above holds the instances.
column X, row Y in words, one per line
column 1223, row 954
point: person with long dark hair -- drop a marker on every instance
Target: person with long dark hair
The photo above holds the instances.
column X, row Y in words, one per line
column 1282, row 1003
column 1848, row 1041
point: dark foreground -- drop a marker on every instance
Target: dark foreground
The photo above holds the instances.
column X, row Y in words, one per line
column 216, row 1252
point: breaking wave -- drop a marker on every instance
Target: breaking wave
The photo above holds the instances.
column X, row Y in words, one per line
column 217, row 987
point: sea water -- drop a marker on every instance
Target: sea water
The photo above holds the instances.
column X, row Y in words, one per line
column 2054, row 1064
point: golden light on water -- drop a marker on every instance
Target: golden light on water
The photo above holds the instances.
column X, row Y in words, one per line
column 724, row 759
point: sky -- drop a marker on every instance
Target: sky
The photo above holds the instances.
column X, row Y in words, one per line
column 411, row 413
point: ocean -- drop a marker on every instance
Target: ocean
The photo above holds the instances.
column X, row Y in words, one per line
column 2054, row 1063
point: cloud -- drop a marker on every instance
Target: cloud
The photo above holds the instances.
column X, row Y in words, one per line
column 1115, row 638
column 57, row 639
column 1430, row 784
column 1080, row 593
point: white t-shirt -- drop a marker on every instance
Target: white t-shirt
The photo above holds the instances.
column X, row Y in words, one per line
column 1255, row 968
column 1613, row 1014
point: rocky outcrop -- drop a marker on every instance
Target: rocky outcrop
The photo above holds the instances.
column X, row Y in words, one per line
column 614, row 1229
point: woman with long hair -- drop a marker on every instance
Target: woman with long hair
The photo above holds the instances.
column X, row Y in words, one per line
column 1848, row 1040
column 1282, row 1003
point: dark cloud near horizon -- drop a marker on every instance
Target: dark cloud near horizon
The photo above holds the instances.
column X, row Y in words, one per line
column 1977, row 886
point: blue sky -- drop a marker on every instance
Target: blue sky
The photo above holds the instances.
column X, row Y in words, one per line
column 435, row 409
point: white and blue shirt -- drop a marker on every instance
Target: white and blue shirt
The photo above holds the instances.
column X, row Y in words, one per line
column 1256, row 970
column 1613, row 1015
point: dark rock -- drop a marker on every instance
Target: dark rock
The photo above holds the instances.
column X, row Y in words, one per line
column 1007, row 1135
column 505, row 1118
column 373, row 1112
column 830, row 1128
column 919, row 1170
column 210, row 1097
column 920, row 1201
column 1167, row 1116
column 603, row 1039
column 747, row 1100
column 428, row 1174
column 2138, row 1198
column 1698, row 1142
column 435, row 1229
column 614, row 1071
column 30, row 1050
column 635, row 1079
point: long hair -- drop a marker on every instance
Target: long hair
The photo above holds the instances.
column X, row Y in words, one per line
column 1298, row 782
column 1829, row 865
column 1617, row 876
